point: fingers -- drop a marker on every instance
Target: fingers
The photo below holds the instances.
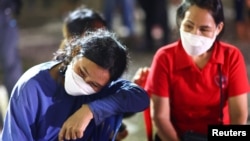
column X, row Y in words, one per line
column 79, row 134
column 140, row 76
column 61, row 134
column 69, row 134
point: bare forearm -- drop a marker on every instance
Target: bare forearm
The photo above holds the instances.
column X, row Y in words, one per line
column 166, row 131
column 240, row 118
column 238, row 109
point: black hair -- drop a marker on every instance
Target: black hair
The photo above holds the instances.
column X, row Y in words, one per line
column 214, row 6
column 100, row 46
column 82, row 19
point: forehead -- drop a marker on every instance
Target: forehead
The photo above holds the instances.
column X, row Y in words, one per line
column 198, row 16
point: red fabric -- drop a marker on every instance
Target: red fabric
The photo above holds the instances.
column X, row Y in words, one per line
column 194, row 93
column 148, row 124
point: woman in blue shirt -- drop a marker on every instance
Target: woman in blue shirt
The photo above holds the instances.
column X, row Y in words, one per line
column 74, row 96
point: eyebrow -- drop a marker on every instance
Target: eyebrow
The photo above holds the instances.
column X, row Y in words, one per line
column 86, row 71
column 203, row 26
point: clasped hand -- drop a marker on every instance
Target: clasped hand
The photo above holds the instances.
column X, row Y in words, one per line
column 74, row 127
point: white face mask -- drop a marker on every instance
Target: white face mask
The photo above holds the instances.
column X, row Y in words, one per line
column 75, row 85
column 195, row 45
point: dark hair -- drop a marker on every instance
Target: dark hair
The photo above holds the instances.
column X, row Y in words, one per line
column 100, row 46
column 214, row 6
column 82, row 19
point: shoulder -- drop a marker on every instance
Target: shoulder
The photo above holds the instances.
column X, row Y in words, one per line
column 168, row 50
column 229, row 54
column 168, row 54
column 35, row 70
column 120, row 82
column 229, row 48
column 169, row 47
column 230, row 51
column 33, row 77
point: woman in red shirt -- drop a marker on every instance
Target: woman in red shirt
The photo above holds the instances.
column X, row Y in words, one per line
column 187, row 77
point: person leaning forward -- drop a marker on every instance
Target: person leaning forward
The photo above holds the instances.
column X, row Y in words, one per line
column 76, row 95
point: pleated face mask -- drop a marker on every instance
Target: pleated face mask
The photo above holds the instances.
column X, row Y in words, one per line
column 75, row 85
column 195, row 45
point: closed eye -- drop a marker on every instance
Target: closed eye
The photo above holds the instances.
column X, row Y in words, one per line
column 205, row 29
column 81, row 73
column 188, row 27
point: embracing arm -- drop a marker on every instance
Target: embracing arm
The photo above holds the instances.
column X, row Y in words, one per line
column 127, row 98
column 238, row 109
column 165, row 128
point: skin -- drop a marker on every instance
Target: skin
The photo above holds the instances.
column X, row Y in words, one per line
column 200, row 22
column 140, row 76
column 97, row 77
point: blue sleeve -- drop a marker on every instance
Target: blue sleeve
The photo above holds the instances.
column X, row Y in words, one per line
column 20, row 114
column 126, row 98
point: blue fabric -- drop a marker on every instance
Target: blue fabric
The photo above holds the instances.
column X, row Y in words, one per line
column 39, row 106
column 126, row 10
column 9, row 56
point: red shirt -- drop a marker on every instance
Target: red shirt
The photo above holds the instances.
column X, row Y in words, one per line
column 195, row 93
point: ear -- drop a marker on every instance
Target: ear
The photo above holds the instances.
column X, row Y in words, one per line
column 219, row 27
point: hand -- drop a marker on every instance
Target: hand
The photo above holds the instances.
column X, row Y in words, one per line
column 140, row 76
column 76, row 124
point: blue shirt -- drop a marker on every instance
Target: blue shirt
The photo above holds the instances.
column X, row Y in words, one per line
column 39, row 105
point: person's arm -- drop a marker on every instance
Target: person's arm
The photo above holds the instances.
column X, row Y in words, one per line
column 162, row 120
column 238, row 87
column 20, row 114
column 76, row 124
column 238, row 109
column 127, row 97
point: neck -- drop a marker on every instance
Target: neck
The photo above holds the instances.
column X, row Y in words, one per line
column 56, row 75
column 202, row 59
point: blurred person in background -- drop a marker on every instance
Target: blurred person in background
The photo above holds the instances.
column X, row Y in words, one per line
column 125, row 8
column 9, row 40
column 240, row 19
column 157, row 26
column 80, row 20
